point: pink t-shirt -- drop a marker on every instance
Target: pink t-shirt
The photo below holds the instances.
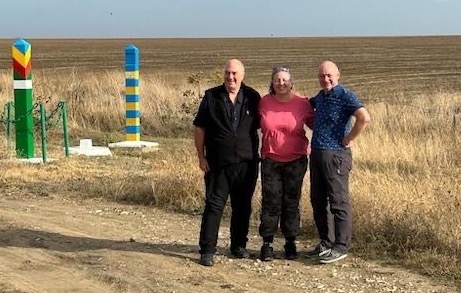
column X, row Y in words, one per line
column 282, row 126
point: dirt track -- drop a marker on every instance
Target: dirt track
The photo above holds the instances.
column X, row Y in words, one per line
column 59, row 245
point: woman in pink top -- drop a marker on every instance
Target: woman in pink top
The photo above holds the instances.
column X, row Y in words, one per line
column 284, row 151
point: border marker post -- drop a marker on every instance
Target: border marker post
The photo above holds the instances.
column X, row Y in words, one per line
column 22, row 73
column 132, row 102
column 132, row 113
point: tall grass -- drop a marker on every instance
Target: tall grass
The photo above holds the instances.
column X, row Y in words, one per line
column 405, row 182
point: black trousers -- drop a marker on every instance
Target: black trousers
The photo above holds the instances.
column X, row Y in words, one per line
column 329, row 175
column 281, row 191
column 238, row 181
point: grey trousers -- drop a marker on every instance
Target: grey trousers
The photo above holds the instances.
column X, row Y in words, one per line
column 329, row 175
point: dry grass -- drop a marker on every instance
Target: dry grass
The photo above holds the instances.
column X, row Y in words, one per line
column 405, row 182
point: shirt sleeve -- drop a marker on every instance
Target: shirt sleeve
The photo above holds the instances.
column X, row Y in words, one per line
column 352, row 103
column 258, row 107
column 201, row 119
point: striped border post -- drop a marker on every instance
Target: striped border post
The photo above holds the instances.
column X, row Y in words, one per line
column 132, row 113
column 22, row 74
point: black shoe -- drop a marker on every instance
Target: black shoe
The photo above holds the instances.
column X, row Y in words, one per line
column 240, row 252
column 318, row 251
column 267, row 253
column 290, row 251
column 206, row 259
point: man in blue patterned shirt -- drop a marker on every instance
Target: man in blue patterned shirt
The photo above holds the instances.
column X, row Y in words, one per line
column 331, row 162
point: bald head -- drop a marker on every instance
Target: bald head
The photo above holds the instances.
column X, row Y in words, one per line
column 234, row 63
column 328, row 75
column 234, row 72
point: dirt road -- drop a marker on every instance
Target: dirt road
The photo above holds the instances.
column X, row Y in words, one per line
column 54, row 244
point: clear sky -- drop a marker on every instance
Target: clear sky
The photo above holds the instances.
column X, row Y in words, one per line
column 235, row 18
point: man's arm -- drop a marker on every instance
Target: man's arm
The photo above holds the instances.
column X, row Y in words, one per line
column 199, row 139
column 362, row 119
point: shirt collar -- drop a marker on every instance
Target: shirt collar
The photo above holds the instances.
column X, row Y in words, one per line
column 335, row 91
column 225, row 95
column 240, row 96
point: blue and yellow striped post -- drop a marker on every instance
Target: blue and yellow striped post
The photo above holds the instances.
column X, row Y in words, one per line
column 132, row 113
column 24, row 123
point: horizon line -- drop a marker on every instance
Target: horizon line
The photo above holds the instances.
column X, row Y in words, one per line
column 232, row 37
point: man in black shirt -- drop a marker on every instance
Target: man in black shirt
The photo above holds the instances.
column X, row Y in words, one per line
column 227, row 148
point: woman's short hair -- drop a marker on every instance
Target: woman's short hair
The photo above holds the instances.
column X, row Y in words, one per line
column 275, row 70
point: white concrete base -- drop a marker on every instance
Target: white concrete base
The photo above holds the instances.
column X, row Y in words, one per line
column 34, row 160
column 134, row 144
column 86, row 148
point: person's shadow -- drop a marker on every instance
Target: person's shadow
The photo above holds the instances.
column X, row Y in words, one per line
column 26, row 238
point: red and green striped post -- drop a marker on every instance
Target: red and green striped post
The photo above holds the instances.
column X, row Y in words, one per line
column 24, row 124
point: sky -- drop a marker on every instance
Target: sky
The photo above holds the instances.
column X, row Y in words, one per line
column 234, row 18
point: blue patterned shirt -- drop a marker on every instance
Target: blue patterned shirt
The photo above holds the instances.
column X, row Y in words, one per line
column 333, row 111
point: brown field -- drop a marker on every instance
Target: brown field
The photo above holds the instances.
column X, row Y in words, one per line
column 405, row 183
column 387, row 66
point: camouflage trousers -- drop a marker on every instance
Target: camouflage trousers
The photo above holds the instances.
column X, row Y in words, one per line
column 281, row 184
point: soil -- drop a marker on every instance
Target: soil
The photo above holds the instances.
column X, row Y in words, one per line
column 56, row 244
